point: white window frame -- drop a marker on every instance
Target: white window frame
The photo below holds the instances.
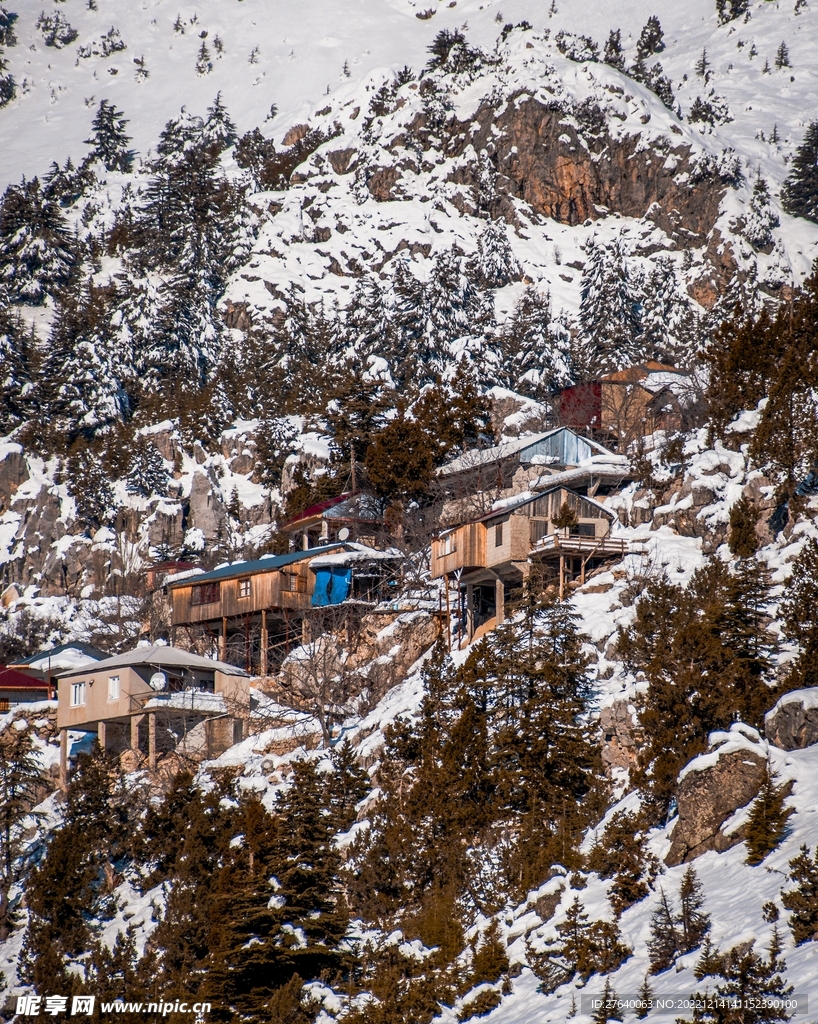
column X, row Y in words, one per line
column 113, row 688
column 245, row 588
column 79, row 694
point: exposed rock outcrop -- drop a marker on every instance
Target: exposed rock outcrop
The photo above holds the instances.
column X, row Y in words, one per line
column 711, row 789
column 793, row 722
column 619, row 734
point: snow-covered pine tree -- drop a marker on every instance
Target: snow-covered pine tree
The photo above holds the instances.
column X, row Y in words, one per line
column 8, row 37
column 613, row 54
column 799, row 195
column 664, row 945
column 534, row 352
column 65, row 185
column 610, row 311
column 80, row 386
column 729, row 10
column 204, row 65
column 36, row 250
column 495, row 264
column 368, row 328
column 410, row 319
column 110, row 140
column 219, row 129
column 8, row 87
column 802, row 900
column 147, row 472
column 16, row 370
column 664, row 309
column 452, row 306
column 761, row 218
column 651, row 39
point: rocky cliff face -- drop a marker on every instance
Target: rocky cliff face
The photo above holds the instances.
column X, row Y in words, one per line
column 711, row 790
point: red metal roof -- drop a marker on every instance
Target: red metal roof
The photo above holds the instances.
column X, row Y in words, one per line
column 321, row 506
column 11, row 679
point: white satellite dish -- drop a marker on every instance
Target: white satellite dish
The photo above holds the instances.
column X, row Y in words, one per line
column 158, row 681
column 343, row 533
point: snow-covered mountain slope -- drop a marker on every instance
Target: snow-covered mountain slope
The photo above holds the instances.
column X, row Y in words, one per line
column 302, row 51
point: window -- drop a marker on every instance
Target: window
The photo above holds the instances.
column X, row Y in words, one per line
column 584, row 530
column 448, row 544
column 206, row 593
column 292, row 583
column 77, row 695
column 113, row 687
column 498, row 535
column 244, row 588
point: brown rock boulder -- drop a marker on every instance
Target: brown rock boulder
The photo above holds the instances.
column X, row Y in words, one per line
column 13, row 473
column 711, row 789
column 793, row 722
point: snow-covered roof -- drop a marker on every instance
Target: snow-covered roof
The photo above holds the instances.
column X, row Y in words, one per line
column 476, row 457
column 62, row 657
column 161, row 656
column 355, row 553
column 511, row 504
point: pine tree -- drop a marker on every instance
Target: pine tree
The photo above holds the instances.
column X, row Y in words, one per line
column 664, row 945
column 609, row 312
column 607, row 1010
column 729, row 10
column 651, row 39
column 645, row 999
column 219, row 129
column 782, row 57
column 80, row 386
column 16, row 371
column 36, row 251
column 693, row 922
column 495, row 264
column 147, row 472
column 109, row 140
column 799, row 196
column 613, row 54
column 620, row 854
column 802, row 901
column 767, row 822
column 743, row 540
column 533, row 350
column 702, row 66
column 8, row 87
column 21, row 787
column 204, row 65
column 761, row 218
column 754, row 982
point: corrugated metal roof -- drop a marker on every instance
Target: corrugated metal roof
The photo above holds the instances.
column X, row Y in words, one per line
column 477, row 457
column 266, row 564
column 157, row 656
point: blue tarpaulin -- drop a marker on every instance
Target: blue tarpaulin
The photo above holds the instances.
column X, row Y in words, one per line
column 331, row 586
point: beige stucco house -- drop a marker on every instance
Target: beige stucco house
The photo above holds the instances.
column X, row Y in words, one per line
column 150, row 700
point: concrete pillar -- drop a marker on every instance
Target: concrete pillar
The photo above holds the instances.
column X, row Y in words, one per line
column 102, row 735
column 470, row 610
column 306, row 631
column 562, row 577
column 500, row 601
column 135, row 721
column 264, row 642
column 223, row 641
column 152, row 741
column 63, row 759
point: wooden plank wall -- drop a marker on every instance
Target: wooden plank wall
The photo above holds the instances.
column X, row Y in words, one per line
column 267, row 591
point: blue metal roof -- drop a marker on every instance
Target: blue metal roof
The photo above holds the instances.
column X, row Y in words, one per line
column 270, row 564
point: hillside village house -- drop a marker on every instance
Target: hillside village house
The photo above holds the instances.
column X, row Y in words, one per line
column 498, row 550
column 45, row 666
column 258, row 610
column 474, row 480
column 17, row 688
column 152, row 700
column 350, row 516
column 629, row 403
